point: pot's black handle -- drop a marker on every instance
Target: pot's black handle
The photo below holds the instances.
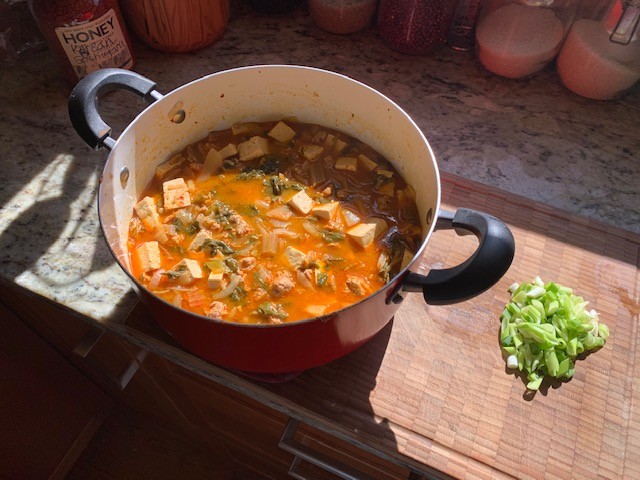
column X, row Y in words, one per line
column 83, row 102
column 481, row 271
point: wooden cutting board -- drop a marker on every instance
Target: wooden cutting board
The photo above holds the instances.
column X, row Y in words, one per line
column 433, row 386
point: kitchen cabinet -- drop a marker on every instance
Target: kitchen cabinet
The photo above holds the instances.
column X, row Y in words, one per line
column 111, row 363
column 50, row 411
column 255, row 435
column 262, row 437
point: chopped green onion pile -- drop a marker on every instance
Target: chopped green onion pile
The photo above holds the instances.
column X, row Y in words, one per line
column 545, row 327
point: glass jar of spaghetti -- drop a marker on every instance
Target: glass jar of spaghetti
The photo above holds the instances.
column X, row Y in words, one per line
column 84, row 35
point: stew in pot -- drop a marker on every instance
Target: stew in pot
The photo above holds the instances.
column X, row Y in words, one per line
column 272, row 222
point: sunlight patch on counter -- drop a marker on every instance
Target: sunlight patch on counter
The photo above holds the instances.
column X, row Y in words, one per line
column 54, row 246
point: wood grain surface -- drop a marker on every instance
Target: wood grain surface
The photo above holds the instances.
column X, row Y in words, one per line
column 432, row 387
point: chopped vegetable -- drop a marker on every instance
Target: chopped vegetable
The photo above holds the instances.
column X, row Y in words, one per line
column 212, row 164
column 213, row 246
column 330, row 236
column 233, row 284
column 188, row 228
column 545, row 327
column 321, row 278
column 270, row 309
column 214, row 265
column 276, row 185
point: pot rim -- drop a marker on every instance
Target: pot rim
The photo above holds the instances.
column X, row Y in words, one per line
column 393, row 283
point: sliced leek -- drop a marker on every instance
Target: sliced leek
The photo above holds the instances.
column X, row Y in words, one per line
column 545, row 327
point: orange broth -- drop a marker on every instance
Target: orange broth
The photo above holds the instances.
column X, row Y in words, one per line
column 295, row 221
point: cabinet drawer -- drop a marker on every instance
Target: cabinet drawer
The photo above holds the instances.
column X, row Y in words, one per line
column 251, row 430
column 320, row 455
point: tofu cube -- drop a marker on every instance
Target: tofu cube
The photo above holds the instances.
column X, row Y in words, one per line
column 367, row 163
column 147, row 213
column 294, row 256
column 176, row 194
column 325, row 211
column 311, row 152
column 349, row 164
column 282, row 132
column 329, row 140
column 229, row 151
column 385, row 173
column 253, row 148
column 381, row 225
column 191, row 270
column 315, row 310
column 301, row 202
column 339, row 145
column 160, row 235
column 214, row 280
column 198, row 242
column 363, row 234
column 149, row 256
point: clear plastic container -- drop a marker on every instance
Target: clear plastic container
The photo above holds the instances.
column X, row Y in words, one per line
column 342, row 16
column 517, row 38
column 600, row 59
column 461, row 34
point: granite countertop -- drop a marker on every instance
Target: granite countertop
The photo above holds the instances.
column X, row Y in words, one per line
column 530, row 137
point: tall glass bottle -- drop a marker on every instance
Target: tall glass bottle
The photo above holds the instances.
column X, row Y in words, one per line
column 84, row 35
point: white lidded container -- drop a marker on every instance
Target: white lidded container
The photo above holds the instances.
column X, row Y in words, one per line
column 517, row 38
column 600, row 59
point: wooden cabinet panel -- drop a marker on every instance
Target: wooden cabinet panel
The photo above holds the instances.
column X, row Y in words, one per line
column 253, row 430
column 339, row 452
column 216, row 415
column 105, row 363
column 50, row 410
column 250, row 429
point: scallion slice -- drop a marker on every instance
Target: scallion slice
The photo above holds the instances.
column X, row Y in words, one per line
column 545, row 327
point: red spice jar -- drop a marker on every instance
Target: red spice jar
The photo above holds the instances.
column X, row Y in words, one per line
column 84, row 35
column 414, row 26
column 342, row 16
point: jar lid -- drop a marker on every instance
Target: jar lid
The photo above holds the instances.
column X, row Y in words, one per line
column 622, row 21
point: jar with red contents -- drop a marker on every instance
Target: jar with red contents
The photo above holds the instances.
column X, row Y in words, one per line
column 342, row 16
column 84, row 35
column 414, row 26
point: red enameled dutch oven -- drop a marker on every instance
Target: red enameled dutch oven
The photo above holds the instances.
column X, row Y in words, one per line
column 271, row 92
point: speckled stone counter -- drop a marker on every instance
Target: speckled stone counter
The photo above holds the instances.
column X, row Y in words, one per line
column 531, row 137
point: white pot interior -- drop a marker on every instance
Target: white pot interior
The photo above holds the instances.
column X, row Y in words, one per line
column 262, row 93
